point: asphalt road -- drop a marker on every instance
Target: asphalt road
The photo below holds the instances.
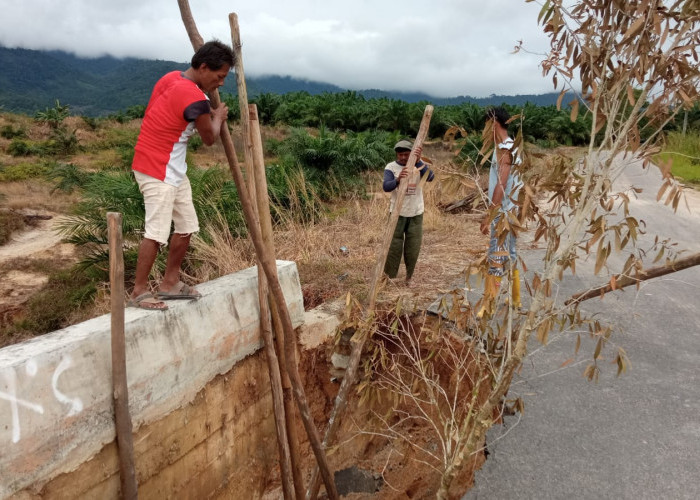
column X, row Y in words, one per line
column 636, row 436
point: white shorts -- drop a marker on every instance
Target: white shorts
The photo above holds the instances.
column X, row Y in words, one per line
column 166, row 204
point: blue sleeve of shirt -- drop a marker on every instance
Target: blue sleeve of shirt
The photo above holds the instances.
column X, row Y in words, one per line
column 390, row 182
column 194, row 110
column 423, row 169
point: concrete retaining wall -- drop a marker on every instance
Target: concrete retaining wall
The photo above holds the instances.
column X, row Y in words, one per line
column 55, row 391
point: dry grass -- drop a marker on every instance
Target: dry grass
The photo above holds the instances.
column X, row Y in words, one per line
column 36, row 195
column 224, row 254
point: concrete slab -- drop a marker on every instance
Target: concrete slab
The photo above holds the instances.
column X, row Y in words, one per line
column 55, row 390
column 320, row 324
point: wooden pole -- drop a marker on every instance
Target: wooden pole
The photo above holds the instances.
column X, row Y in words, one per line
column 281, row 425
column 242, row 97
column 359, row 343
column 621, row 281
column 273, row 363
column 266, row 227
column 125, row 439
column 269, row 265
column 278, row 402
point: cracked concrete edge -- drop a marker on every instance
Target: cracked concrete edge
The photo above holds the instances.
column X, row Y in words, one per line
column 321, row 324
column 56, row 408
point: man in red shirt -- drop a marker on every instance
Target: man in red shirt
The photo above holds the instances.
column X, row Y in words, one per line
column 178, row 108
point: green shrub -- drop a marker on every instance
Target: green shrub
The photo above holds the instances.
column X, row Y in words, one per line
column 684, row 151
column 135, row 112
column 91, row 122
column 195, row 142
column 131, row 113
column 22, row 147
column 66, row 177
column 332, row 163
column 126, row 155
column 10, row 132
column 53, row 116
column 292, row 196
column 469, row 152
column 116, row 137
column 214, row 194
column 24, row 171
column 62, row 142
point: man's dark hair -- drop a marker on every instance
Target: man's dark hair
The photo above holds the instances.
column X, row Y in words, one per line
column 214, row 54
column 499, row 114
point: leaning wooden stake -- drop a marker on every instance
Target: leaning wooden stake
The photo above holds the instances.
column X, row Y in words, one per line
column 269, row 264
column 266, row 227
column 125, row 438
column 274, row 362
column 255, row 162
column 273, row 366
column 358, row 344
column 621, row 281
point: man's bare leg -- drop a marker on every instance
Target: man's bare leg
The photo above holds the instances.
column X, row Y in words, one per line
column 179, row 243
column 148, row 251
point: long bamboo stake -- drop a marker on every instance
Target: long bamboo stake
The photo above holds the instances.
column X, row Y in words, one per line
column 125, row 438
column 269, row 265
column 358, row 344
column 273, row 362
column 266, row 227
column 275, row 376
column 281, row 420
column 622, row 281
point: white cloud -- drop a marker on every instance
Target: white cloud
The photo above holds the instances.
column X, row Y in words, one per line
column 443, row 48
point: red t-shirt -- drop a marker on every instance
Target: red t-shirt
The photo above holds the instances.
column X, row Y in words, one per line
column 160, row 150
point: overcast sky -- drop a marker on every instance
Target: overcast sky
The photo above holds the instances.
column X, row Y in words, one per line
column 442, row 47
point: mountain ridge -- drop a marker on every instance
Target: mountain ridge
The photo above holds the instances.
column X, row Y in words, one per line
column 33, row 80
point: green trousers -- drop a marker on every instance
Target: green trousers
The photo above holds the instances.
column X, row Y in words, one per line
column 406, row 241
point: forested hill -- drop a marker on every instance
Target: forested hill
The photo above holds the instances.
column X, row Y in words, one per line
column 32, row 80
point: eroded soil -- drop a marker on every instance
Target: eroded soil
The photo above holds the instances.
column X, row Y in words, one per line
column 399, row 465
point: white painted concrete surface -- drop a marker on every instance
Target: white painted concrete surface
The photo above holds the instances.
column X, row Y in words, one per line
column 55, row 391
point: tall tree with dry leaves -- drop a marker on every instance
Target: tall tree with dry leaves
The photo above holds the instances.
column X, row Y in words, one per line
column 633, row 66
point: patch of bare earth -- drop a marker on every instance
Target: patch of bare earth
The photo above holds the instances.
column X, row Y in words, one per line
column 20, row 275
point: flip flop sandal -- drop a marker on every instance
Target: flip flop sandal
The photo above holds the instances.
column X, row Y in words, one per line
column 180, row 291
column 147, row 301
